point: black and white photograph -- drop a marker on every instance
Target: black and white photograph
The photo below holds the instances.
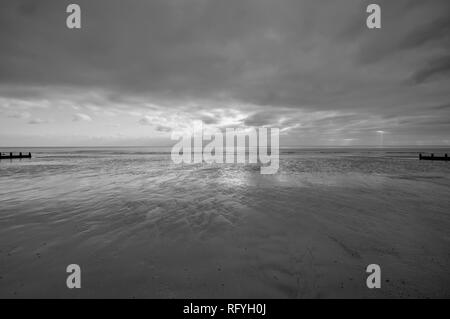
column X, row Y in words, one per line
column 224, row 149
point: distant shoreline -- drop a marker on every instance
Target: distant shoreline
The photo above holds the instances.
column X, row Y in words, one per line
column 281, row 147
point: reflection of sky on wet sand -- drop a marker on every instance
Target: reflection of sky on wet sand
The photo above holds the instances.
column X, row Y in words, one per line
column 134, row 216
column 94, row 175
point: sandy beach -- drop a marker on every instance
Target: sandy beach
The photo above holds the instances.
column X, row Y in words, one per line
column 149, row 228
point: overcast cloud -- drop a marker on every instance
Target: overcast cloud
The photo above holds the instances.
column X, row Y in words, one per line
column 138, row 69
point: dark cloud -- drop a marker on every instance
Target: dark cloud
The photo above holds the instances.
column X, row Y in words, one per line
column 208, row 119
column 262, row 119
column 436, row 67
column 18, row 115
column 161, row 128
column 270, row 58
column 407, row 25
column 145, row 121
column 37, row 121
column 81, row 117
column 442, row 106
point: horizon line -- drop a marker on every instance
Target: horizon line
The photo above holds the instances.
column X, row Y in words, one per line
column 283, row 146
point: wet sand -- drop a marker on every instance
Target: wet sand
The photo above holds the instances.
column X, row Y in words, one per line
column 158, row 231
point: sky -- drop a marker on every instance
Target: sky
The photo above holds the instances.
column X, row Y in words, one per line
column 138, row 70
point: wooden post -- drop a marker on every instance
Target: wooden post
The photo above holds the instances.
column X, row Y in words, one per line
column 420, row 156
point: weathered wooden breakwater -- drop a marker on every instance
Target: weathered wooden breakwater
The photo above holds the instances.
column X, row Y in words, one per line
column 432, row 157
column 14, row 155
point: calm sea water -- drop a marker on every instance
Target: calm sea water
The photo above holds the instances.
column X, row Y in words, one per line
column 123, row 208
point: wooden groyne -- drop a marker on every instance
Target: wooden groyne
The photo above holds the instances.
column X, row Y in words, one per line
column 14, row 155
column 431, row 157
